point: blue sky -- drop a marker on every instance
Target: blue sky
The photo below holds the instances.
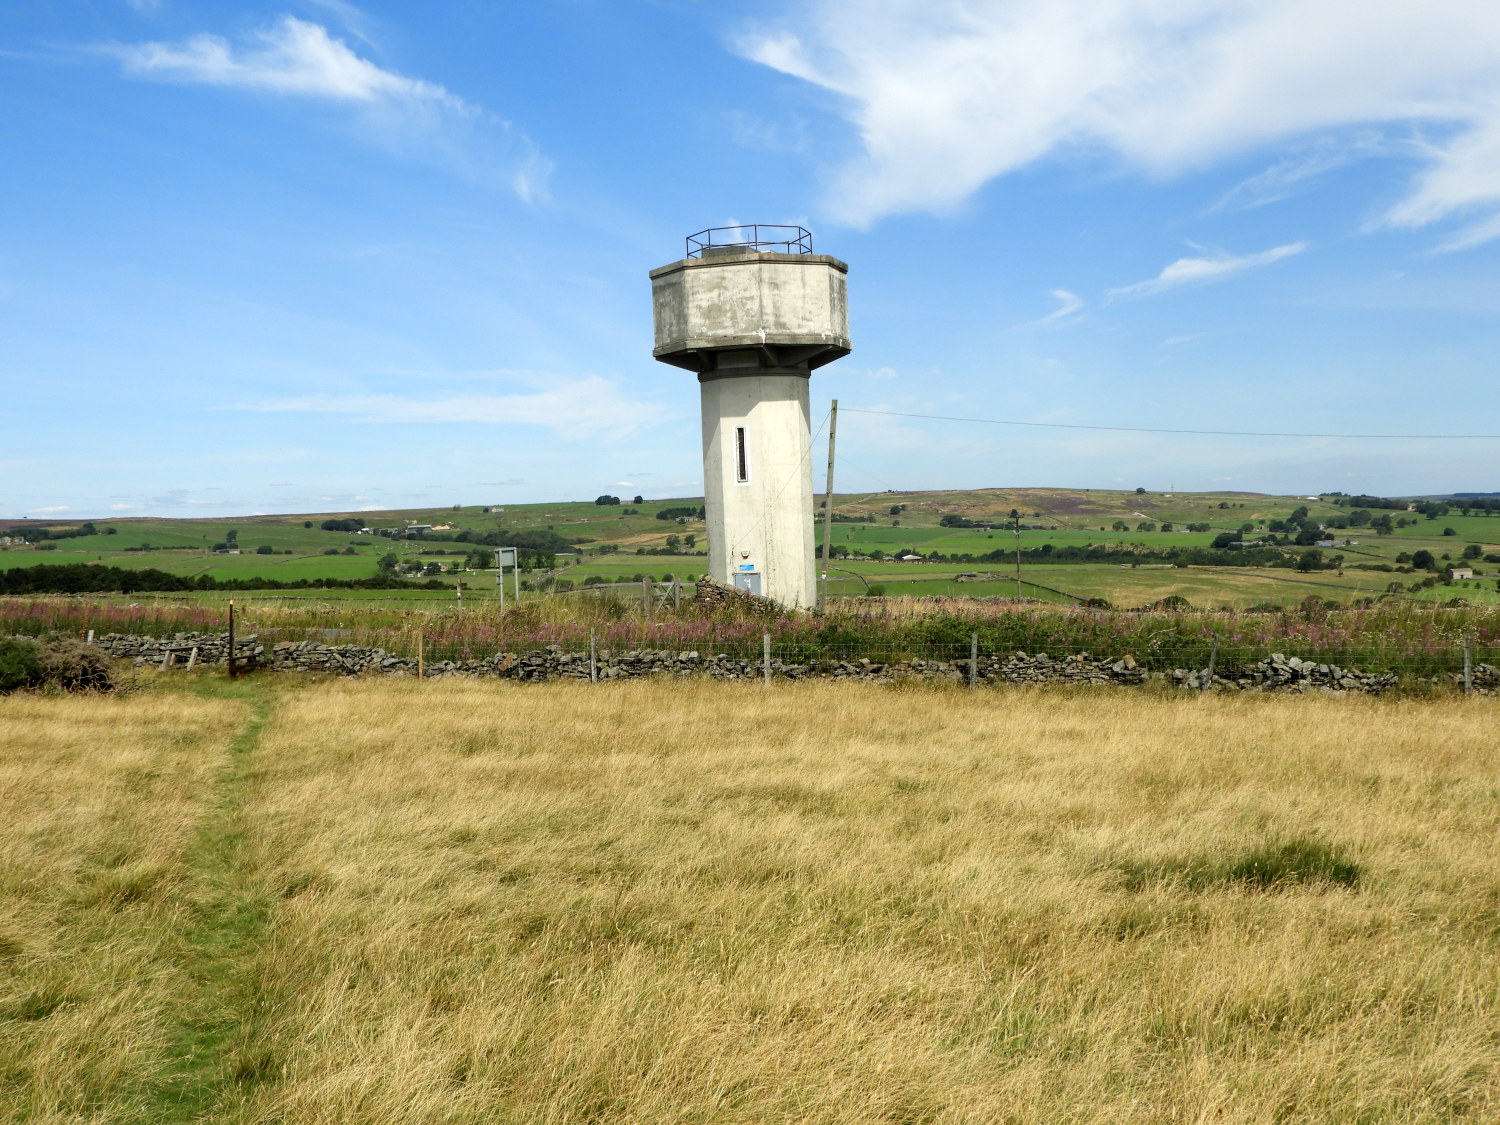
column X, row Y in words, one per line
column 317, row 255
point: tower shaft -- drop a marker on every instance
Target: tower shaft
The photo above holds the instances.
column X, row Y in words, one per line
column 753, row 325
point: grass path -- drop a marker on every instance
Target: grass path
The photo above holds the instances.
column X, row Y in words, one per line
column 212, row 1054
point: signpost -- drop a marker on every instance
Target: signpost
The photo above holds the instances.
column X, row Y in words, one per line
column 506, row 557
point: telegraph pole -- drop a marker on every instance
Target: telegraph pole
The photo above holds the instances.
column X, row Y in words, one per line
column 833, row 426
column 1016, row 515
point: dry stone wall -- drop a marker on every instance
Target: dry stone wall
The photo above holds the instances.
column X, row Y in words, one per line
column 1276, row 673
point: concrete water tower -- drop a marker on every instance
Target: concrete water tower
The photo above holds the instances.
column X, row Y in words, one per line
column 753, row 311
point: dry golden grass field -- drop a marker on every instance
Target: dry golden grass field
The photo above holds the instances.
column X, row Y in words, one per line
column 300, row 903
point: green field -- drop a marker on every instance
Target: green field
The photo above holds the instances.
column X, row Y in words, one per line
column 616, row 547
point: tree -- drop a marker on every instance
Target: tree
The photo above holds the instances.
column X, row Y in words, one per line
column 232, row 536
column 1119, row 525
column 307, row 523
column 1310, row 560
column 690, row 541
column 1140, row 492
column 673, row 542
column 1145, row 525
column 895, row 510
column 1423, row 560
column 265, row 549
column 606, row 500
column 1382, row 525
column 639, row 499
column 1224, row 539
column 1473, row 551
column 1449, row 531
column 387, row 563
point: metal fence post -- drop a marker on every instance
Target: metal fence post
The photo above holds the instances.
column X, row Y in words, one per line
column 765, row 661
column 973, row 661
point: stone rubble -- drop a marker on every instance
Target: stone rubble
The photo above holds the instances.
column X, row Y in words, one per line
column 1276, row 673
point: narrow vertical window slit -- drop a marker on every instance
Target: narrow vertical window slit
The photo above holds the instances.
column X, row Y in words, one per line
column 741, row 457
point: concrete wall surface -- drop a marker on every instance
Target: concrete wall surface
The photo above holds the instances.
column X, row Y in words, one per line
column 751, row 298
column 766, row 522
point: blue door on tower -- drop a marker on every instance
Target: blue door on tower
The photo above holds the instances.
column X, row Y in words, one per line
column 747, row 580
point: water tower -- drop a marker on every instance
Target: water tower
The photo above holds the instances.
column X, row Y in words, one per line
column 753, row 311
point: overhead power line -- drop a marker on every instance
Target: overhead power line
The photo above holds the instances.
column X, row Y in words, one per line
column 1154, row 430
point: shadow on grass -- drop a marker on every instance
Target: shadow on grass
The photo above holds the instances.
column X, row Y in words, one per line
column 1269, row 867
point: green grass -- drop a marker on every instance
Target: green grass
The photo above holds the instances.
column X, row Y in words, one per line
column 213, row 1053
column 1072, row 518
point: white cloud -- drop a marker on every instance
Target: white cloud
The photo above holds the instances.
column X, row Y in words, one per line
column 948, row 94
column 409, row 115
column 1070, row 304
column 124, row 507
column 51, row 510
column 1185, row 271
column 291, row 57
column 576, row 409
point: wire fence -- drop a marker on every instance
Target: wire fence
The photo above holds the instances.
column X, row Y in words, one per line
column 1430, row 645
column 809, row 655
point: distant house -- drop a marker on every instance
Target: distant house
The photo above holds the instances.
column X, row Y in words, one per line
column 1326, row 543
column 365, row 531
column 1460, row 573
column 911, row 558
column 493, row 511
column 418, row 528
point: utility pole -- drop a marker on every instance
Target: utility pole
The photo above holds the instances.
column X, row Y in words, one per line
column 1016, row 515
column 833, row 426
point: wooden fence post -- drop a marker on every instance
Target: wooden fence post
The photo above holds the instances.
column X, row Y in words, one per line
column 593, row 658
column 973, row 661
column 421, row 668
column 765, row 662
column 1468, row 665
column 231, row 639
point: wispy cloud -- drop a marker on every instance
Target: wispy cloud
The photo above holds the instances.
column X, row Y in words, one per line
column 297, row 58
column 945, row 95
column 575, row 409
column 1070, row 303
column 1294, row 173
column 50, row 510
column 1187, row 271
